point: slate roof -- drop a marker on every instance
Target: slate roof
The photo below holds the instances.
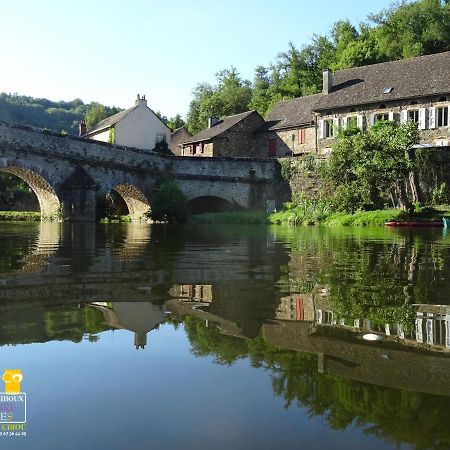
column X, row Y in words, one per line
column 110, row 121
column 292, row 113
column 223, row 125
column 415, row 77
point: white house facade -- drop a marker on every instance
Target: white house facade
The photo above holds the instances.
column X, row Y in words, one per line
column 137, row 127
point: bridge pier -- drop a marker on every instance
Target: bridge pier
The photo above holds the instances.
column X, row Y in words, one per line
column 78, row 196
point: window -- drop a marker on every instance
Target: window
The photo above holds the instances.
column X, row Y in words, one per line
column 301, row 136
column 199, row 148
column 328, row 124
column 387, row 90
column 413, row 115
column 161, row 138
column 442, row 116
column 352, row 122
column 381, row 116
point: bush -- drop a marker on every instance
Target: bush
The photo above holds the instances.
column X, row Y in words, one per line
column 169, row 203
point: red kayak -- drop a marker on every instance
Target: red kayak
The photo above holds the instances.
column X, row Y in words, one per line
column 414, row 224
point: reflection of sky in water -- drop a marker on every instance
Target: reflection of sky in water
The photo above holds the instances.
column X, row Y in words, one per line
column 107, row 395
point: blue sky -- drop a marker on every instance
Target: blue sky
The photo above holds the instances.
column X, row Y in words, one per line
column 108, row 51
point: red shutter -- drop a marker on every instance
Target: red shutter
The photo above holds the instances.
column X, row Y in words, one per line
column 301, row 136
column 272, row 147
column 300, row 309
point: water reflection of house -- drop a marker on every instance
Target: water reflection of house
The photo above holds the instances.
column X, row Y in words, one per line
column 430, row 326
column 300, row 306
column 139, row 317
column 193, row 292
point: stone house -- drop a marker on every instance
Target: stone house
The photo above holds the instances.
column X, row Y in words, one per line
column 137, row 127
column 232, row 136
column 290, row 128
column 416, row 89
column 177, row 138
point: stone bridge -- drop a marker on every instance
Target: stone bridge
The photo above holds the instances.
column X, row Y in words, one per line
column 71, row 176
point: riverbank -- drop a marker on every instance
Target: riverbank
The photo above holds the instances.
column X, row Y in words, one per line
column 292, row 217
column 20, row 216
column 361, row 218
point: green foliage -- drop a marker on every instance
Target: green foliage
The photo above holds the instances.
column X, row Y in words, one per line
column 303, row 210
column 440, row 194
column 169, row 203
column 402, row 31
column 231, row 95
column 366, row 167
column 20, row 216
column 176, row 122
column 112, row 135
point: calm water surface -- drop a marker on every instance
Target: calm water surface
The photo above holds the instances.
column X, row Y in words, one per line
column 138, row 337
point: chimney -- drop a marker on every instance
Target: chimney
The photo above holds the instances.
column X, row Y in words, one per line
column 327, row 77
column 82, row 128
column 141, row 101
column 212, row 121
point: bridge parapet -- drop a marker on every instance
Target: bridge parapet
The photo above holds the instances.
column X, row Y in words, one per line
column 71, row 175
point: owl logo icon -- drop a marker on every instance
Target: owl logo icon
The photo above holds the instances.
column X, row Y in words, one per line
column 12, row 379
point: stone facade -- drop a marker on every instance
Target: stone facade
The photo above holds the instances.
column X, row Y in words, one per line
column 430, row 133
column 176, row 140
column 233, row 137
column 287, row 142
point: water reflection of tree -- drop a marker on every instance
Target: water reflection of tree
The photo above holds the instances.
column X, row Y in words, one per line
column 373, row 274
column 392, row 415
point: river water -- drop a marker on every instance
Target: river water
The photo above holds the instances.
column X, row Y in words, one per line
column 212, row 337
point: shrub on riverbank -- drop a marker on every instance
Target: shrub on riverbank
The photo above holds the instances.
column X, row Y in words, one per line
column 20, row 216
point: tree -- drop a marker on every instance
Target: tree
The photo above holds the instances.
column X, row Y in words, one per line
column 368, row 169
column 94, row 115
column 169, row 203
column 176, row 122
column 231, row 95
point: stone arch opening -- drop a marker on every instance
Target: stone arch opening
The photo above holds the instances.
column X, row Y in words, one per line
column 49, row 203
column 128, row 199
column 209, row 203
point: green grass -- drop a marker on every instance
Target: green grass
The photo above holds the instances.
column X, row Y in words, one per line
column 294, row 216
column 364, row 218
column 251, row 217
column 20, row 216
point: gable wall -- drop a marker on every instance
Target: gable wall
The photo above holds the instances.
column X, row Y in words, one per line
column 239, row 140
column 139, row 129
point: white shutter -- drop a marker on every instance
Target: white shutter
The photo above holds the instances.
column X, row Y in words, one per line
column 360, row 121
column 432, row 118
column 321, row 129
column 344, row 122
column 335, row 126
column 422, row 118
column 403, row 116
column 372, row 119
column 391, row 116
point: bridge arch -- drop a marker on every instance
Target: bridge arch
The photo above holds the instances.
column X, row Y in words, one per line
column 209, row 203
column 135, row 200
column 49, row 202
